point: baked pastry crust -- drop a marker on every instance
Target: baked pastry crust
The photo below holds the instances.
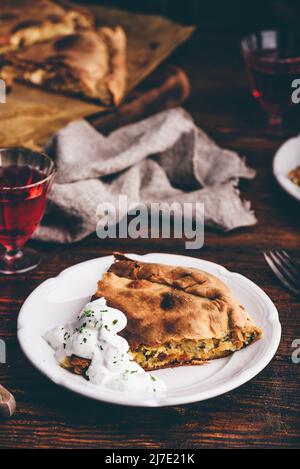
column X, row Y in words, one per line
column 24, row 23
column 176, row 315
column 88, row 63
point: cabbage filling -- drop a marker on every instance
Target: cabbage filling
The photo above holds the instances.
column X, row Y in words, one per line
column 174, row 353
column 188, row 350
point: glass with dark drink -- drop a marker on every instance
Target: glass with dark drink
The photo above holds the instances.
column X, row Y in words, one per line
column 272, row 61
column 25, row 181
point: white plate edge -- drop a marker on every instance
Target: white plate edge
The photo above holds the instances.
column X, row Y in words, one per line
column 293, row 192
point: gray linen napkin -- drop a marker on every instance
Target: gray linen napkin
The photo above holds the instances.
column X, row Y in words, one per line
column 164, row 158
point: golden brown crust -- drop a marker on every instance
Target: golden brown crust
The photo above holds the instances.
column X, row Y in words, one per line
column 174, row 365
column 88, row 63
column 86, row 17
column 39, row 20
column 172, row 304
column 76, row 365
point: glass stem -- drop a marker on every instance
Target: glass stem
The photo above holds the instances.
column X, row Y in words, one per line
column 275, row 122
column 13, row 253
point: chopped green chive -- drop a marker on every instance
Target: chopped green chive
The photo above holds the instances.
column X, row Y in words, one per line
column 88, row 313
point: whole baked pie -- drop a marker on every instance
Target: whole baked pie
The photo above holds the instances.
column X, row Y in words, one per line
column 24, row 23
column 175, row 315
column 88, row 63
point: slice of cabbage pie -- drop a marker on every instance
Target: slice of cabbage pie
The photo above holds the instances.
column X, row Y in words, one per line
column 88, row 63
column 176, row 315
column 26, row 22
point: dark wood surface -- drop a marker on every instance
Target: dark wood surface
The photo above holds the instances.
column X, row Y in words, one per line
column 263, row 413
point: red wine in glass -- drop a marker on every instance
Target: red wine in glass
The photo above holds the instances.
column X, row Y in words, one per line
column 25, row 180
column 272, row 61
column 21, row 209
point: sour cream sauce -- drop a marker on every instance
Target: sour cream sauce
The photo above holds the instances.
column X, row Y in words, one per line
column 95, row 336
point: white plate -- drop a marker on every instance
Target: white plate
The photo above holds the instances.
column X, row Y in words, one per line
column 286, row 158
column 58, row 300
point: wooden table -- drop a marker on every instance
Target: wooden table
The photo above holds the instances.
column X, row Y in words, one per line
column 262, row 413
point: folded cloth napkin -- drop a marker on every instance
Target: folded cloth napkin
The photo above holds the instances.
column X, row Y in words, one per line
column 164, row 158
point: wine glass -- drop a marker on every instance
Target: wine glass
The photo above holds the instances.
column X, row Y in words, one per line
column 25, row 180
column 272, row 60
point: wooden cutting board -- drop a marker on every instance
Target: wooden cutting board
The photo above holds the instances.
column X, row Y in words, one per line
column 31, row 115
